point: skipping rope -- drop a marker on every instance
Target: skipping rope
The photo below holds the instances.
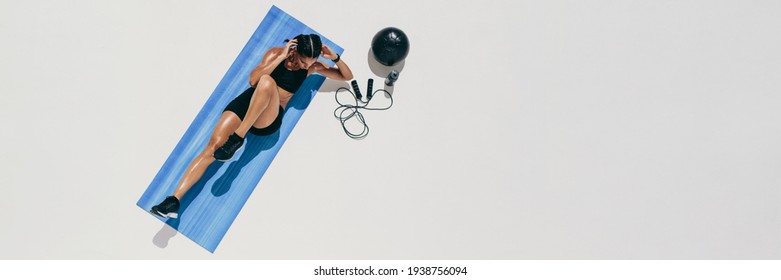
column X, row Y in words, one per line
column 346, row 112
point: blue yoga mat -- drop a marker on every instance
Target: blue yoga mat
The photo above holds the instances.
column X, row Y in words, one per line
column 211, row 205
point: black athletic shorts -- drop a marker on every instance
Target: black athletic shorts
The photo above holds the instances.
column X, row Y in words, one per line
column 240, row 104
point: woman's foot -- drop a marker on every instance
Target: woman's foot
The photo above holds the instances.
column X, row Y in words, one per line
column 227, row 150
column 169, row 208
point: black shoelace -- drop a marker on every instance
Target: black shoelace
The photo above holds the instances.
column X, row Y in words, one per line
column 233, row 143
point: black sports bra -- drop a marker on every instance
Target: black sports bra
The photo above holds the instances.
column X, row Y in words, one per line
column 288, row 80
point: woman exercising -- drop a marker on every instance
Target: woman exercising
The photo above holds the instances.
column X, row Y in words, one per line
column 259, row 109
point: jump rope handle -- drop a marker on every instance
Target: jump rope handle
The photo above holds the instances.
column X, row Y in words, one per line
column 357, row 90
column 369, row 90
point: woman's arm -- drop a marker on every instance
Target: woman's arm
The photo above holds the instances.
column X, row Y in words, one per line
column 340, row 72
column 271, row 60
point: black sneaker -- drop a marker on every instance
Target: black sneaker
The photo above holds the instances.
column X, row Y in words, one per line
column 169, row 208
column 227, row 150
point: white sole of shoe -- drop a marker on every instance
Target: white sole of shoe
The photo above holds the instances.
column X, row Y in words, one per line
column 169, row 215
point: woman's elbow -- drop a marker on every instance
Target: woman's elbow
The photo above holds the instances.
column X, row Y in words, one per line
column 347, row 77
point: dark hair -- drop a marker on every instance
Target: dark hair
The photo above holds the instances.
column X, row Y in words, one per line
column 308, row 45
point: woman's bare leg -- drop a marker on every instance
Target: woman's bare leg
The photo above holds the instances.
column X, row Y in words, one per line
column 265, row 98
column 228, row 123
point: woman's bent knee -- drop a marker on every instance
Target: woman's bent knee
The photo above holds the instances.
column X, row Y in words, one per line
column 266, row 82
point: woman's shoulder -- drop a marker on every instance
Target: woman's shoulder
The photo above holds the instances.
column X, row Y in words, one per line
column 317, row 66
column 274, row 52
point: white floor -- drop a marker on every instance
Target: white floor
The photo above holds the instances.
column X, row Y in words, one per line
column 521, row 130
